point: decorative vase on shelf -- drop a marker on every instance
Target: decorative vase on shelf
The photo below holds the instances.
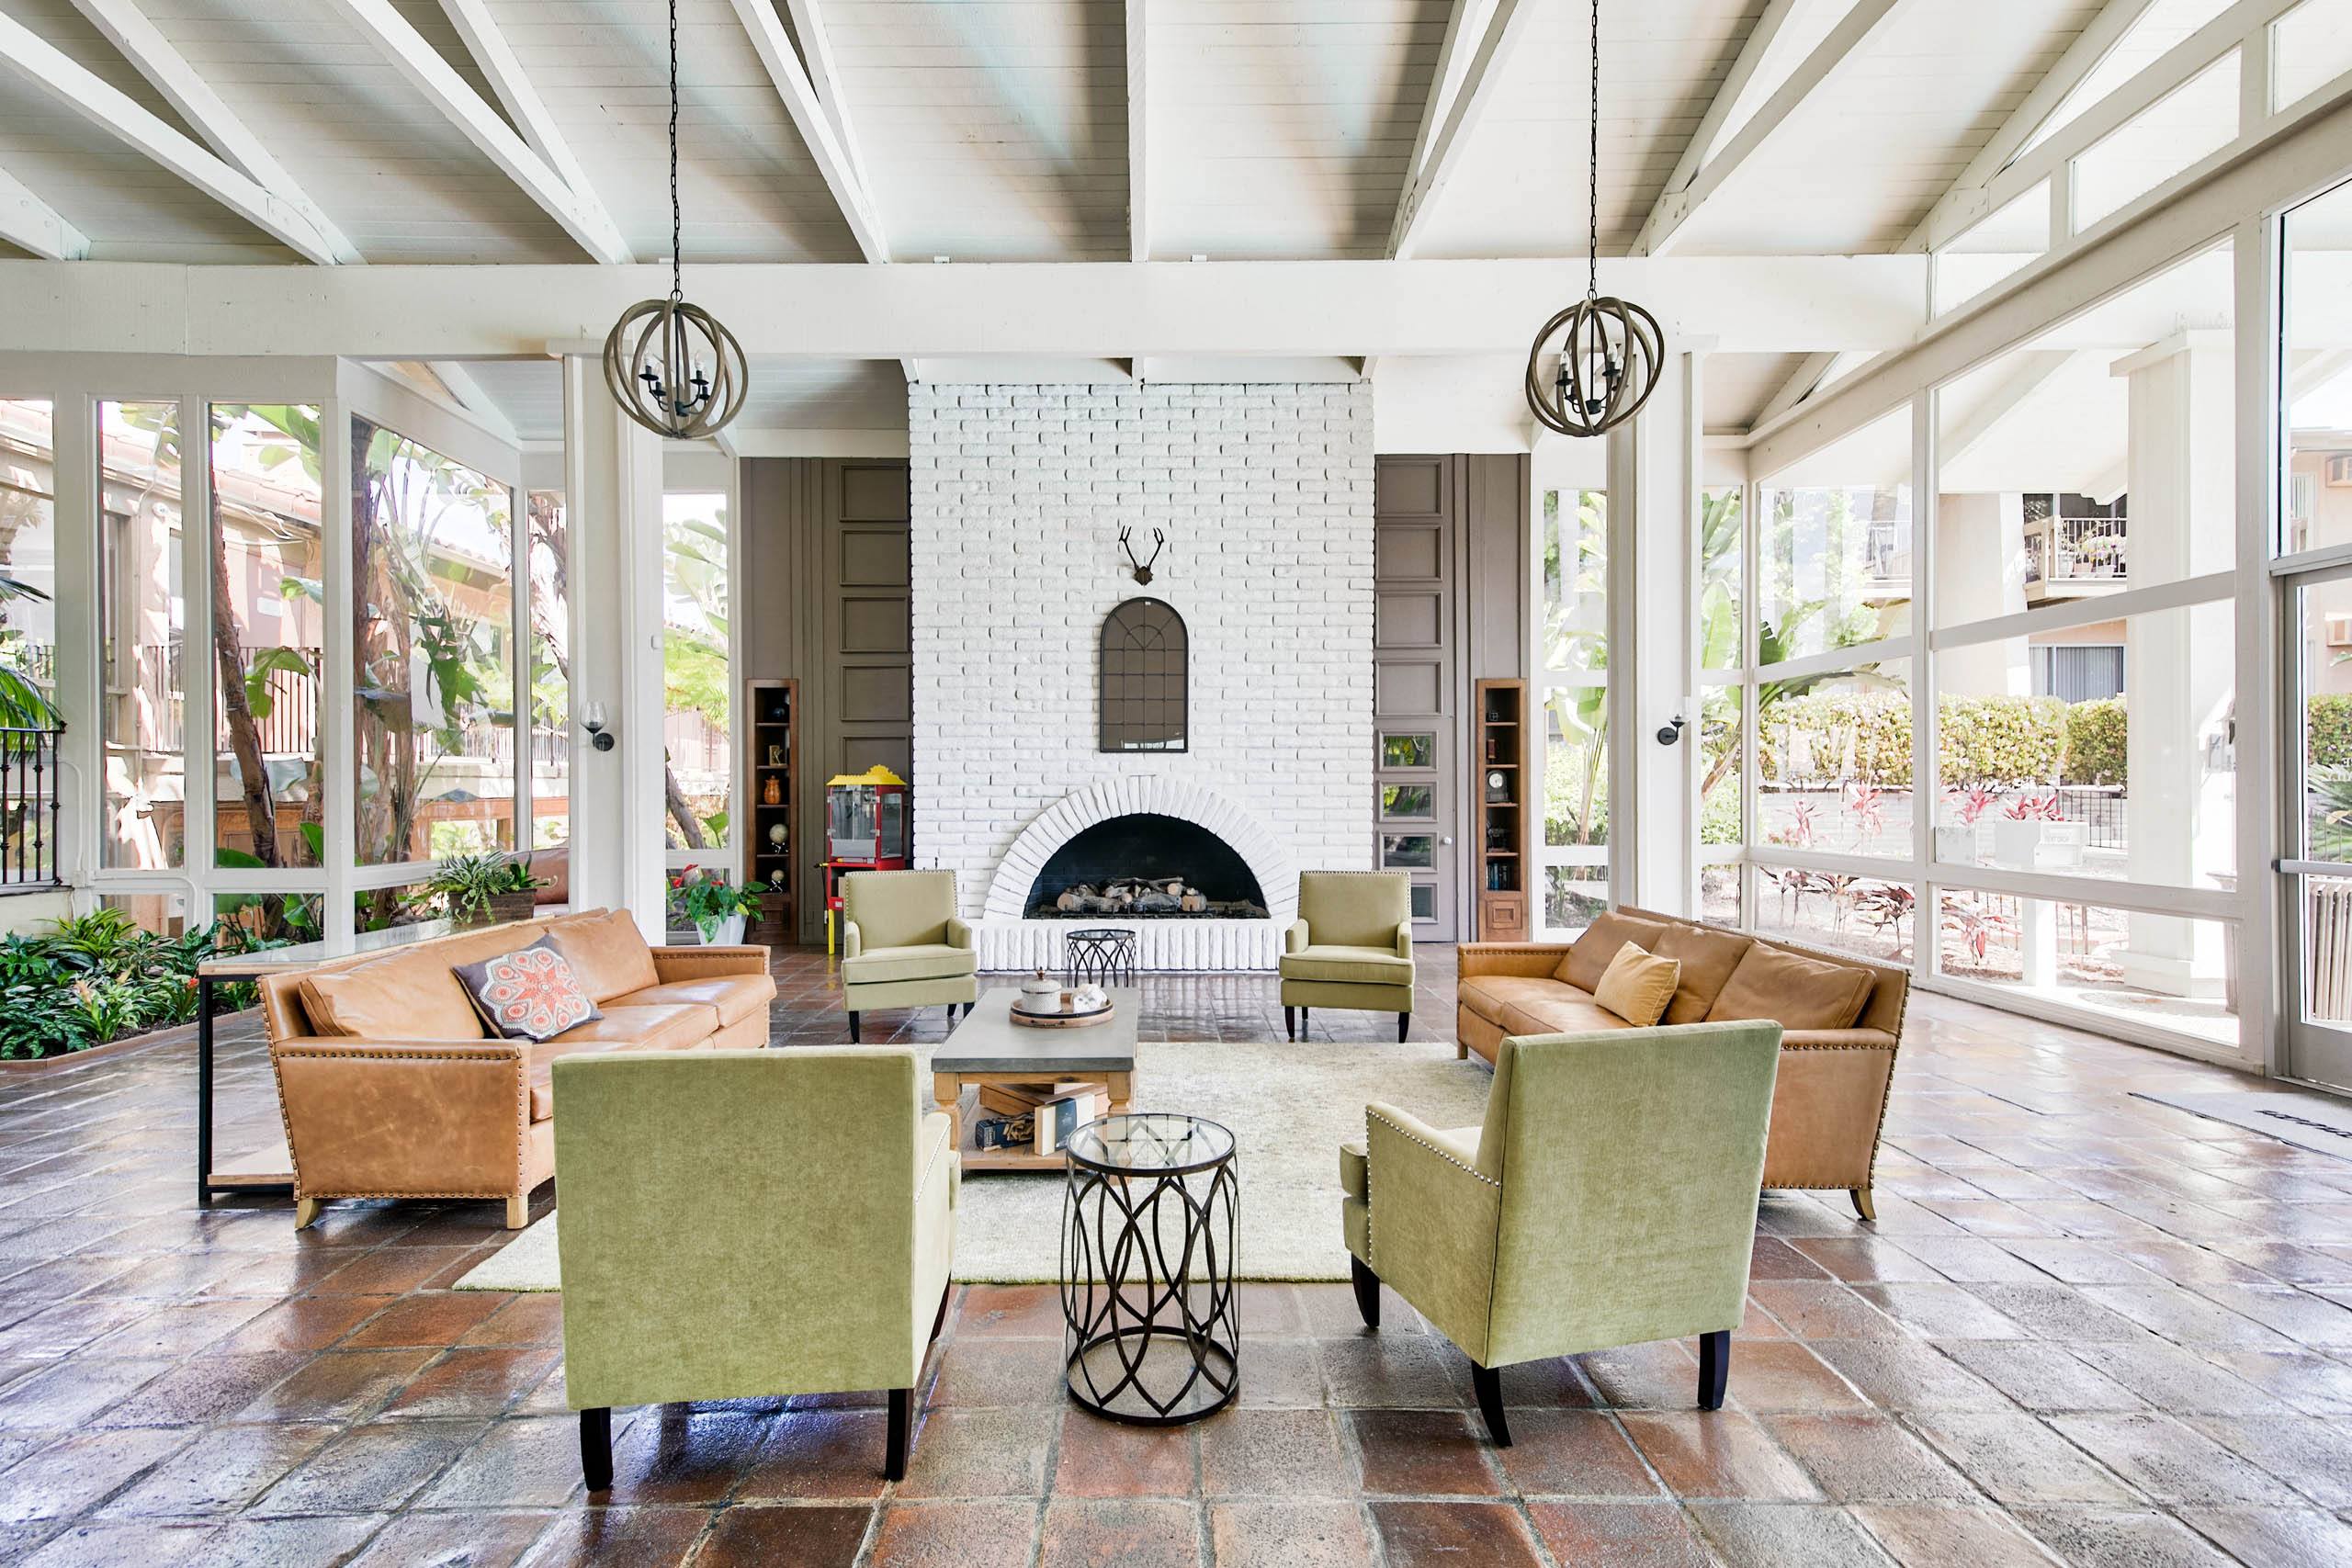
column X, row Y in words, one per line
column 771, row 793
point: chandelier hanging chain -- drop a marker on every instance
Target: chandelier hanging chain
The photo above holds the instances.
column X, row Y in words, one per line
column 677, row 220
column 1593, row 163
column 1608, row 350
column 671, row 367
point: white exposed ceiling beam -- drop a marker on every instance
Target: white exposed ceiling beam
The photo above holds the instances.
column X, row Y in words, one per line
column 31, row 224
column 130, row 122
column 1754, row 50
column 1138, row 128
column 577, row 210
column 1440, row 155
column 2092, row 45
column 477, row 403
column 817, row 54
column 1811, row 371
column 478, row 30
column 800, row 100
column 2317, row 371
column 144, row 45
column 1110, row 310
column 1677, row 209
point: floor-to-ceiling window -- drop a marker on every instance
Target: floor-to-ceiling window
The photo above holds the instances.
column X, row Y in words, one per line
column 1722, row 698
column 435, row 697
column 697, row 681
column 143, row 632
column 27, row 564
column 1572, row 634
column 547, row 545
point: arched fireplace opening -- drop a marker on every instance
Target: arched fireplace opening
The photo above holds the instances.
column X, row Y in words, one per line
column 1145, row 865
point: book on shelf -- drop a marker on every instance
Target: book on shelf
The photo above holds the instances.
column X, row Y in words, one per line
column 1064, row 1114
column 1020, row 1098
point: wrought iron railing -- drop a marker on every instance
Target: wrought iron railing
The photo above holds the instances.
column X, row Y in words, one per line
column 28, row 800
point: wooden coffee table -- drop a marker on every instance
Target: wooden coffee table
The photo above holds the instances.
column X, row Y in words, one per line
column 987, row 1046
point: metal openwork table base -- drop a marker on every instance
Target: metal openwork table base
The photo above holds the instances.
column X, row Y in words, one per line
column 1104, row 955
column 1151, row 1327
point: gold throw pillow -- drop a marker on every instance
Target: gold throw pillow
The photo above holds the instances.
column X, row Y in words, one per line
column 1637, row 986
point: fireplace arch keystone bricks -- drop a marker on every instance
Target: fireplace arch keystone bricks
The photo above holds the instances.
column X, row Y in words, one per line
column 1008, row 940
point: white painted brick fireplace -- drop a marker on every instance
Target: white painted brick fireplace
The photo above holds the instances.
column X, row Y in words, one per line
column 1265, row 494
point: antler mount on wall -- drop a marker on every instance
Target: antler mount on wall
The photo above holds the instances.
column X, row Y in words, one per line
column 1143, row 567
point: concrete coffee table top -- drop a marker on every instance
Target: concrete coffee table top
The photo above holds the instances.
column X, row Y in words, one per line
column 988, row 1041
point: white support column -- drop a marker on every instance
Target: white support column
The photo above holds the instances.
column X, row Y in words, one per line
column 1653, row 468
column 1927, row 741
column 2267, row 983
column 612, row 492
column 199, row 730
column 338, row 725
column 2179, row 663
column 75, row 611
column 1980, row 572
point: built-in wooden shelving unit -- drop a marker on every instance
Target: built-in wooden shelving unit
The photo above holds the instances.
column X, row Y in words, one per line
column 1499, row 783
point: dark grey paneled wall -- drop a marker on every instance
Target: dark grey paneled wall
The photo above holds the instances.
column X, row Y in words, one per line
column 825, row 585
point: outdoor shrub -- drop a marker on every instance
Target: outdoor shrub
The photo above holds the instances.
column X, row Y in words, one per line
column 99, row 976
column 2097, row 736
column 2329, row 723
column 1862, row 735
column 2001, row 740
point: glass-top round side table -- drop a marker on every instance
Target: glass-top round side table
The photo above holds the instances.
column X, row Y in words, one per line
column 1151, row 1327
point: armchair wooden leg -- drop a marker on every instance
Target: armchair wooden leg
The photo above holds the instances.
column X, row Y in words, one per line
column 1367, row 1284
column 306, row 1212
column 1290, row 1022
column 1862, row 1204
column 853, row 1028
column 941, row 1321
column 1404, row 1022
column 518, row 1210
column 1489, row 1386
column 1303, row 1030
column 597, row 1448
column 894, row 1457
column 1714, row 1368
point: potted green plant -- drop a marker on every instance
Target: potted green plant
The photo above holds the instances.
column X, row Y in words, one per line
column 482, row 890
column 712, row 907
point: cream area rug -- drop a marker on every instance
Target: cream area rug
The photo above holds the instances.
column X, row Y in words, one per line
column 1290, row 1108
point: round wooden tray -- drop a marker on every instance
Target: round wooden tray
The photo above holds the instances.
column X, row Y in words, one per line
column 1060, row 1019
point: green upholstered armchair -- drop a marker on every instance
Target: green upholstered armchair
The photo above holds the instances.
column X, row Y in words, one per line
column 740, row 1224
column 1351, row 946
column 1610, row 1199
column 903, row 945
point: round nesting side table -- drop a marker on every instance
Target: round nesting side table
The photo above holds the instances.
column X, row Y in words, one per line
column 1151, row 1327
column 1102, row 954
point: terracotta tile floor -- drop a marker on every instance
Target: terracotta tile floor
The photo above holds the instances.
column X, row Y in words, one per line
column 2084, row 1327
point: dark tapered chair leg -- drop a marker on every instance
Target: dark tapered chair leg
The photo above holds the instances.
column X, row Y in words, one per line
column 941, row 1321
column 1862, row 1204
column 1290, row 1022
column 894, row 1458
column 1404, row 1022
column 597, row 1448
column 853, row 1028
column 1303, row 1030
column 1367, row 1284
column 1489, row 1386
column 1714, row 1368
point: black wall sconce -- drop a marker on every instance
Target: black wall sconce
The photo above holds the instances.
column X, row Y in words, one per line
column 592, row 719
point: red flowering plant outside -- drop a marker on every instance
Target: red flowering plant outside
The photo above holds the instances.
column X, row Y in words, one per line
column 708, row 898
column 2035, row 809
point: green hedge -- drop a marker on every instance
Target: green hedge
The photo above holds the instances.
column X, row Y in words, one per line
column 2002, row 741
column 2330, row 731
column 2097, row 736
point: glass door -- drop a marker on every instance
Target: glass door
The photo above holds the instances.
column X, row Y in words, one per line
column 2317, row 662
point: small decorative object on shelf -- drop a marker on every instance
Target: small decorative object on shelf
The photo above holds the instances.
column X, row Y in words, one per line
column 1502, row 838
column 768, row 855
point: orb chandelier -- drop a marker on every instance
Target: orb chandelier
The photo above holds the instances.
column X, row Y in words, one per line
column 670, row 366
column 1610, row 349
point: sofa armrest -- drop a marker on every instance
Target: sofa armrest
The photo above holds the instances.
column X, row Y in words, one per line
column 405, row 1118
column 702, row 963
column 1404, row 939
column 853, row 940
column 1532, row 960
column 959, row 933
column 1295, row 936
column 1433, row 1219
column 1836, row 1039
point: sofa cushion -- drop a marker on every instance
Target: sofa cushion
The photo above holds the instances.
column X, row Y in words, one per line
column 736, row 997
column 1331, row 961
column 928, row 961
column 607, row 952
column 390, row 1001
column 1794, row 991
column 1609, row 931
column 1637, row 986
column 1565, row 1011
column 530, row 994
column 667, row 1027
column 1489, row 996
column 1708, row 958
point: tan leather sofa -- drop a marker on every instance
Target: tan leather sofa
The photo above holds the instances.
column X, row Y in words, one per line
column 1830, row 1097
column 391, row 1088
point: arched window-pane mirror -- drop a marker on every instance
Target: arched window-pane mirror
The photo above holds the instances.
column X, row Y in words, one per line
column 1143, row 678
